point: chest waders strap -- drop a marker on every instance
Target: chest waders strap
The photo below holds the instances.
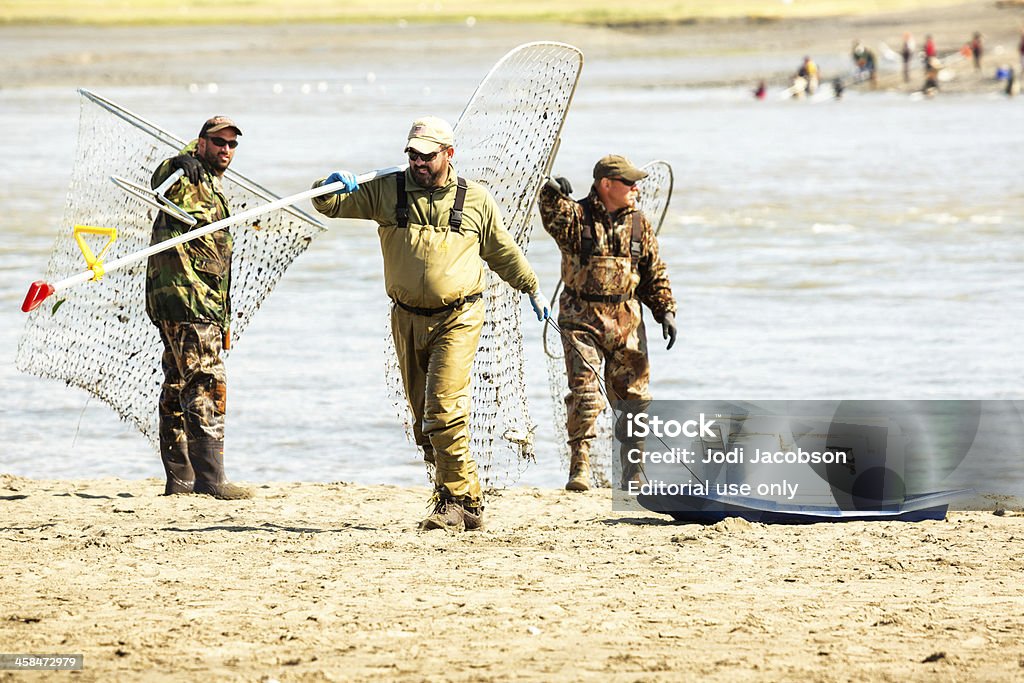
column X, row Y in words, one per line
column 402, row 203
column 587, row 235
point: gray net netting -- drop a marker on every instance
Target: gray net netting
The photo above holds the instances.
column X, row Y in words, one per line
column 655, row 193
column 506, row 140
column 97, row 336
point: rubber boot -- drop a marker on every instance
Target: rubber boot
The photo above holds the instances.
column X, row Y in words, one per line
column 579, row 471
column 207, row 456
column 631, row 471
column 174, row 454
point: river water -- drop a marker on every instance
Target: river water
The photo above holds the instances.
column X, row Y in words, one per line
column 870, row 248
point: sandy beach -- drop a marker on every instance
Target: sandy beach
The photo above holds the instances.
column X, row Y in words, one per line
column 330, row 582
column 333, row 582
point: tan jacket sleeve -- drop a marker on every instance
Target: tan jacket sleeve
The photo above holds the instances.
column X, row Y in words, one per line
column 367, row 202
column 501, row 253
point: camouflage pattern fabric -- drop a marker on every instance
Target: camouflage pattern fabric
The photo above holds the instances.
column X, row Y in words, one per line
column 596, row 333
column 563, row 219
column 194, row 394
column 191, row 282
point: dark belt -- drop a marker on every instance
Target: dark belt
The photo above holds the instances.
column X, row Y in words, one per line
column 443, row 309
column 599, row 298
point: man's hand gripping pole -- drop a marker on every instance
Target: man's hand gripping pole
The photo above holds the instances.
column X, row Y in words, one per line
column 39, row 290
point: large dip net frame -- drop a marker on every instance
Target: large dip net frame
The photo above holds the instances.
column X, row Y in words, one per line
column 98, row 337
column 506, row 140
column 655, row 193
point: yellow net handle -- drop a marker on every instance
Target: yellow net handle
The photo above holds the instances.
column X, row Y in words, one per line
column 94, row 262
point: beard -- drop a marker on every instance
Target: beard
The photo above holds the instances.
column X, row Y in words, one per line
column 426, row 177
column 215, row 162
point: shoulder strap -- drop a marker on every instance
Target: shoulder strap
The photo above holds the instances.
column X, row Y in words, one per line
column 401, row 201
column 635, row 245
column 455, row 218
column 586, row 232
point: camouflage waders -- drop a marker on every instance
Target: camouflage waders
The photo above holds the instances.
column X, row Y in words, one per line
column 610, row 266
column 187, row 297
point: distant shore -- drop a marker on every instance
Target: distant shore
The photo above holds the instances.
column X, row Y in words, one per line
column 34, row 51
column 651, row 12
column 315, row 582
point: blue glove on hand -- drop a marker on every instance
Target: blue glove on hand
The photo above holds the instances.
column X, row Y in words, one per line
column 540, row 306
column 347, row 177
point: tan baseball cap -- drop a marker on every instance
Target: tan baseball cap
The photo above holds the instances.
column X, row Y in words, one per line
column 615, row 166
column 430, row 134
column 217, row 124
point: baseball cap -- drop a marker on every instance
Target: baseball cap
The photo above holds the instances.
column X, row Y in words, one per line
column 430, row 134
column 615, row 166
column 218, row 123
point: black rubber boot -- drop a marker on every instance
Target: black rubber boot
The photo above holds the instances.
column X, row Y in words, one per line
column 207, row 456
column 174, row 454
column 631, row 471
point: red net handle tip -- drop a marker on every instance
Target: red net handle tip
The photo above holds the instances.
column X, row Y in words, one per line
column 38, row 291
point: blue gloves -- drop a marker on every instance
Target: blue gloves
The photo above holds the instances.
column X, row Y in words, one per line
column 540, row 305
column 347, row 177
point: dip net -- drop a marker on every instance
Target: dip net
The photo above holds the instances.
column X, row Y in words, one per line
column 655, row 193
column 506, row 140
column 97, row 336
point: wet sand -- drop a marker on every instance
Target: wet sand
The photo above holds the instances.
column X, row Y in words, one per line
column 326, row 582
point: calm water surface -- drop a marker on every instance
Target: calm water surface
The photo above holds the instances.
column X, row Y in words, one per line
column 870, row 248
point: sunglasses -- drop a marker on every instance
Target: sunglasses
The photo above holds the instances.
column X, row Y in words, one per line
column 221, row 142
column 419, row 156
column 627, row 183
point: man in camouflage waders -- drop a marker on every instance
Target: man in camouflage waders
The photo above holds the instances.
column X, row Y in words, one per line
column 187, row 297
column 436, row 231
column 610, row 265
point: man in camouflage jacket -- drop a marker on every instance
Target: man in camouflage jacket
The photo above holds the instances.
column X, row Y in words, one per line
column 187, row 297
column 610, row 265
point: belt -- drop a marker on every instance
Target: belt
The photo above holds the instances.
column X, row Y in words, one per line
column 442, row 309
column 599, row 298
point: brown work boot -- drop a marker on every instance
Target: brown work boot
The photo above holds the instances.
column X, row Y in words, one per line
column 579, row 473
column 447, row 514
column 473, row 517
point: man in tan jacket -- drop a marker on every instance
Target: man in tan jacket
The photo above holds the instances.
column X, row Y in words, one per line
column 436, row 231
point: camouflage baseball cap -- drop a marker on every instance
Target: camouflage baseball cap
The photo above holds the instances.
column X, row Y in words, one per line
column 615, row 166
column 430, row 134
column 217, row 124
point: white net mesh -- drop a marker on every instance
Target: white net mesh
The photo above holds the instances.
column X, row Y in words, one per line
column 655, row 193
column 97, row 336
column 505, row 140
